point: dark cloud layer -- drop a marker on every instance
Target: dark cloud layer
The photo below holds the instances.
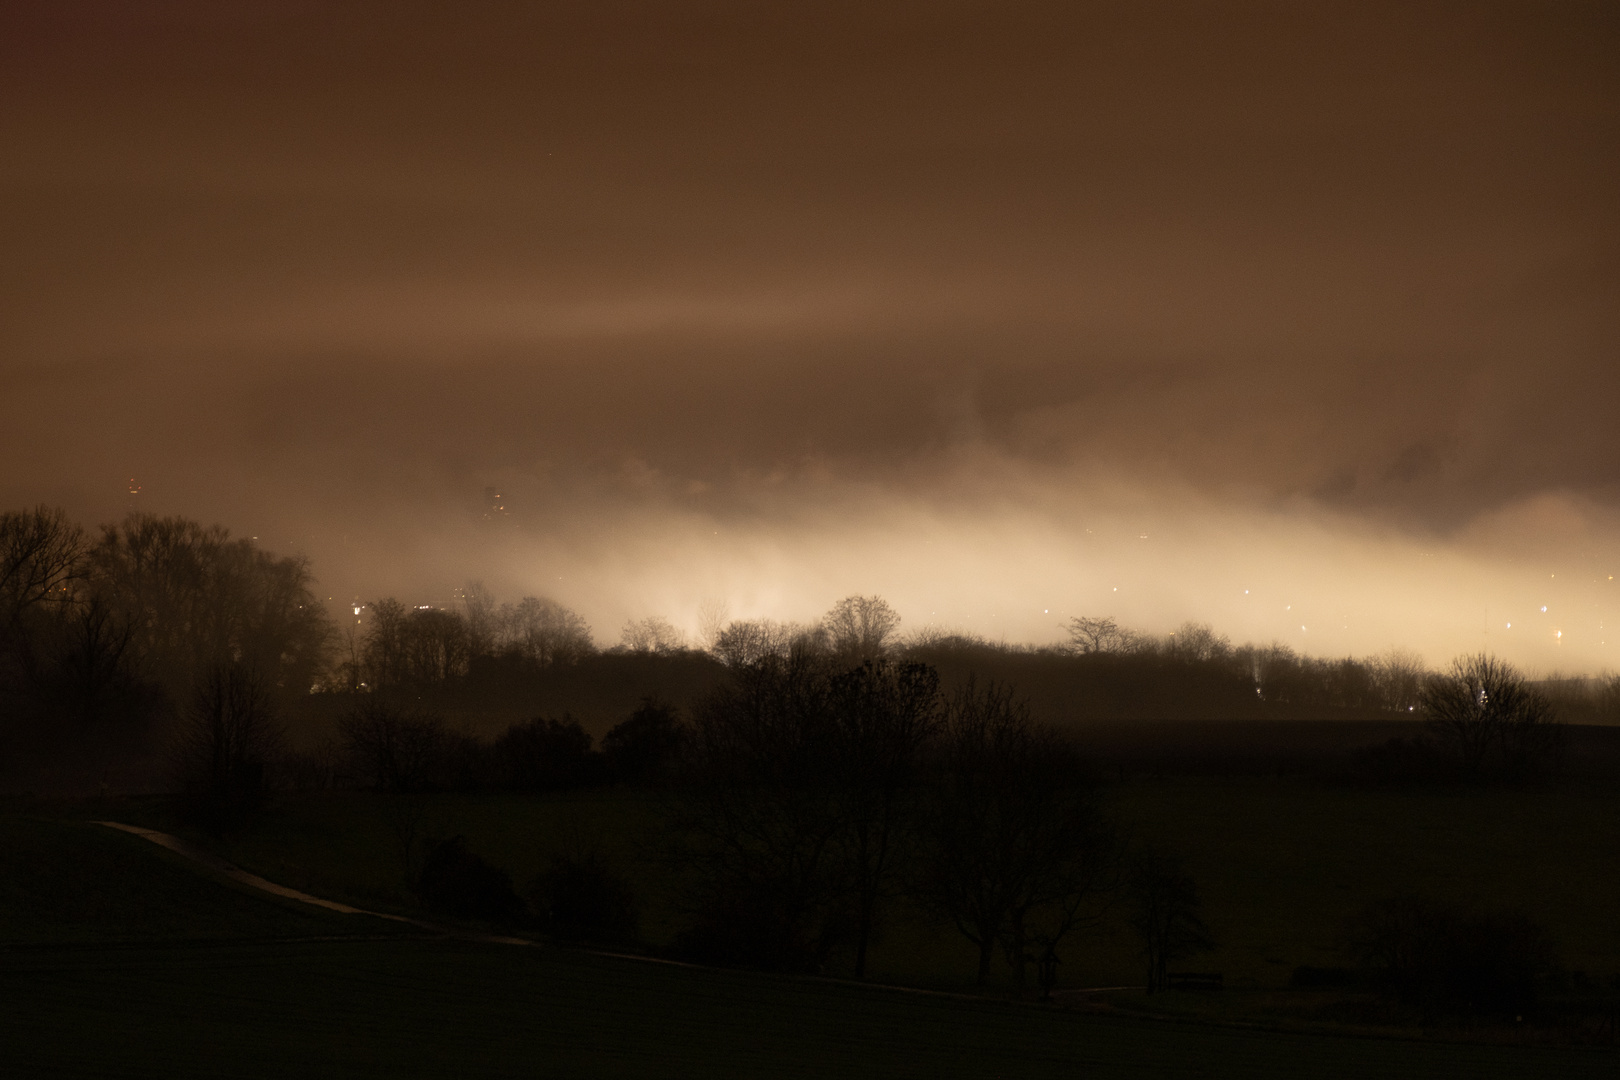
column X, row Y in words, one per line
column 329, row 273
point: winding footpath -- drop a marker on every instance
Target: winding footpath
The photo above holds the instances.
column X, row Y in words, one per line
column 191, row 851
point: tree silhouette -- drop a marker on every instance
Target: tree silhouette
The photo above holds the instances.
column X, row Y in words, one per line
column 231, row 736
column 42, row 560
column 1487, row 715
column 194, row 598
column 654, row 634
column 1164, row 915
column 859, row 627
column 1095, row 635
column 647, row 744
column 759, row 818
column 1013, row 841
column 884, row 714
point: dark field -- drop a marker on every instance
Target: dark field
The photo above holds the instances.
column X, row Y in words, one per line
column 115, row 946
column 1281, row 863
column 171, row 973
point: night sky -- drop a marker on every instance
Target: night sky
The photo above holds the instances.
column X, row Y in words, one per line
column 1303, row 320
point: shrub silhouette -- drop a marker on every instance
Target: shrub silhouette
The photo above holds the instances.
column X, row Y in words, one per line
column 580, row 898
column 548, row 755
column 455, row 881
column 646, row 746
column 1440, row 961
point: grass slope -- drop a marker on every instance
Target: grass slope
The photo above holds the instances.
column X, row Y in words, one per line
column 74, row 882
column 1281, row 864
column 116, row 958
column 418, row 1008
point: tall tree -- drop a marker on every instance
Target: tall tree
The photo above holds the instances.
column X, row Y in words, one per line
column 1490, row 717
column 1094, row 634
column 859, row 627
column 195, row 598
column 1014, row 840
column 759, row 818
column 1165, row 916
column 230, row 737
column 884, row 713
column 42, row 560
column 544, row 632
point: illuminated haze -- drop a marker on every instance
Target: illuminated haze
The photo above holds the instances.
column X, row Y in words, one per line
column 1302, row 324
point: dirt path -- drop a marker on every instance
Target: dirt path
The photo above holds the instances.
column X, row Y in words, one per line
column 253, row 881
column 186, row 849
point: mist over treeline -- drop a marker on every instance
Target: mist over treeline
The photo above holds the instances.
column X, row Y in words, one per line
column 115, row 644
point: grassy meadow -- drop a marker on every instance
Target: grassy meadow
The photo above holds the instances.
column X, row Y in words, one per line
column 1281, row 864
column 118, row 958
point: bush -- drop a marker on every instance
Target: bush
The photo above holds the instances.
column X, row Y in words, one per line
column 548, row 755
column 395, row 749
column 1442, row 962
column 646, row 746
column 456, row 882
column 580, row 898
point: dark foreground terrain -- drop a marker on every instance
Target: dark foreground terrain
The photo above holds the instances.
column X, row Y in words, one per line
column 122, row 959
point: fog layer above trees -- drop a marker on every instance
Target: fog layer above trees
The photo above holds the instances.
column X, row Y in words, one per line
column 113, row 639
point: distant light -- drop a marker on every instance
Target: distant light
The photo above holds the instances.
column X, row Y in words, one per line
column 1510, row 626
column 1543, row 607
column 1245, row 592
column 1302, row 627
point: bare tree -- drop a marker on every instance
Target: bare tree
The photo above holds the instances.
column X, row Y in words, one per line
column 1095, row 635
column 437, row 649
column 859, row 627
column 398, row 751
column 884, row 714
column 544, row 632
column 385, row 647
column 759, row 820
column 230, row 737
column 654, row 634
column 42, row 560
column 483, row 624
column 1013, row 843
column 1199, row 642
column 1164, row 913
column 1398, row 679
column 195, row 599
column 748, row 641
column 712, row 618
column 1265, row 665
column 90, row 665
column 1608, row 698
column 1488, row 715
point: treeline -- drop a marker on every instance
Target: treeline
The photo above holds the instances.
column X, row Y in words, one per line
column 801, row 800
column 811, row 797
column 121, row 639
column 107, row 638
